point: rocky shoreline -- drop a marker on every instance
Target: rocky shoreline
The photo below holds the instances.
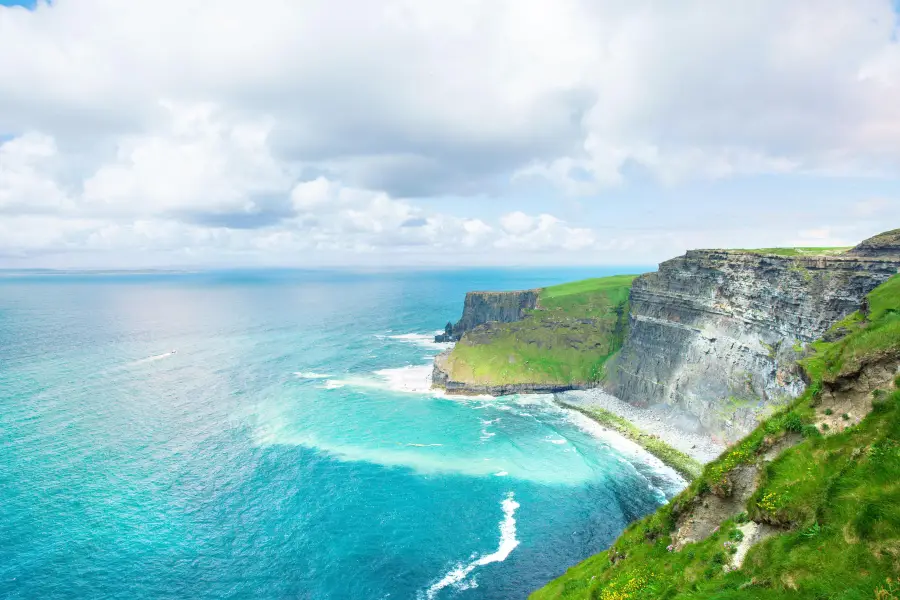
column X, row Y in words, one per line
column 664, row 431
column 672, row 427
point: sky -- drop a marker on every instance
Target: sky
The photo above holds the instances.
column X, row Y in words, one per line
column 312, row 133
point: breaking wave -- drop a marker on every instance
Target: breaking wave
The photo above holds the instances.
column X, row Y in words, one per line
column 456, row 577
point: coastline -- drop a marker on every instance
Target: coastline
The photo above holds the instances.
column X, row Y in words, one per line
column 651, row 428
column 683, row 464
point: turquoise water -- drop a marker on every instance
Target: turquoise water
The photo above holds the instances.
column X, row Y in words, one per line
column 271, row 435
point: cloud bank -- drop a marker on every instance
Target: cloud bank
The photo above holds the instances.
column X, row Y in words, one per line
column 200, row 132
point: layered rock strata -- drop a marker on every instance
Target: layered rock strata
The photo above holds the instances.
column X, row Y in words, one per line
column 718, row 333
column 486, row 307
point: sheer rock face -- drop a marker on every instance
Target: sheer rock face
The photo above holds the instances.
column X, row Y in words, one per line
column 718, row 332
column 502, row 307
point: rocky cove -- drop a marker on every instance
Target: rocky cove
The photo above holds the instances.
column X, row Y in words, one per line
column 716, row 334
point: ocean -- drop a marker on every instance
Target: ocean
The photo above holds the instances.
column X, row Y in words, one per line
column 271, row 434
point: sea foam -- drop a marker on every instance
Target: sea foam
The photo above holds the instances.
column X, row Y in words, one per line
column 412, row 379
column 152, row 358
column 311, row 375
column 456, row 577
column 424, row 340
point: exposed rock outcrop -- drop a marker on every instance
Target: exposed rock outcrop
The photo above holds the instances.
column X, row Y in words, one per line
column 718, row 332
column 486, row 307
column 882, row 245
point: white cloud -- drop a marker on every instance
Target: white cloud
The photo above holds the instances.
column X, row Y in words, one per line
column 541, row 233
column 197, row 163
column 25, row 184
column 294, row 127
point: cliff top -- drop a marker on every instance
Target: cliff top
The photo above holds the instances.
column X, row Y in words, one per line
column 503, row 293
column 791, row 252
column 564, row 340
column 883, row 244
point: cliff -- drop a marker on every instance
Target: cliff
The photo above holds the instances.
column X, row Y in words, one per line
column 805, row 507
column 500, row 307
column 559, row 344
column 718, row 333
column 882, row 245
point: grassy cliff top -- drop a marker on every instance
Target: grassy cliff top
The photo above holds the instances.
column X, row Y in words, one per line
column 575, row 329
column 810, row 251
column 573, row 294
column 820, row 490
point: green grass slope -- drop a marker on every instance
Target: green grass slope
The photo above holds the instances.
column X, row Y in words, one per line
column 575, row 329
column 833, row 499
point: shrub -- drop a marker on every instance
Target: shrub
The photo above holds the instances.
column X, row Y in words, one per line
column 845, row 417
column 824, row 426
column 793, row 422
column 812, row 531
column 736, row 535
column 815, row 390
column 880, row 405
column 809, row 431
column 828, row 411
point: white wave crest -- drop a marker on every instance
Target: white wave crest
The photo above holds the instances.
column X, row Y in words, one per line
column 508, row 542
column 152, row 358
column 424, row 340
column 415, row 379
column 412, row 379
column 311, row 375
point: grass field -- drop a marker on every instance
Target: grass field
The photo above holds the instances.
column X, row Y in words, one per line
column 798, row 251
column 835, row 498
column 567, row 339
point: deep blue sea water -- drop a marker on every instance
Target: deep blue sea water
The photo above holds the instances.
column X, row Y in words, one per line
column 270, row 434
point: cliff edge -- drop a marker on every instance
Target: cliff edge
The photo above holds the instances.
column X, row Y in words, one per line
column 490, row 307
column 804, row 507
column 718, row 333
column 560, row 343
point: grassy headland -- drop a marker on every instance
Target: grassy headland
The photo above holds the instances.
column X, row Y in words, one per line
column 575, row 328
column 831, row 501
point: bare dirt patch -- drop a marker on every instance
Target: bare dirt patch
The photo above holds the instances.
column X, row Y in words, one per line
column 709, row 510
column 847, row 400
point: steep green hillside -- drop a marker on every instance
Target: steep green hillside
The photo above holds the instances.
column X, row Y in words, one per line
column 806, row 506
column 574, row 330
